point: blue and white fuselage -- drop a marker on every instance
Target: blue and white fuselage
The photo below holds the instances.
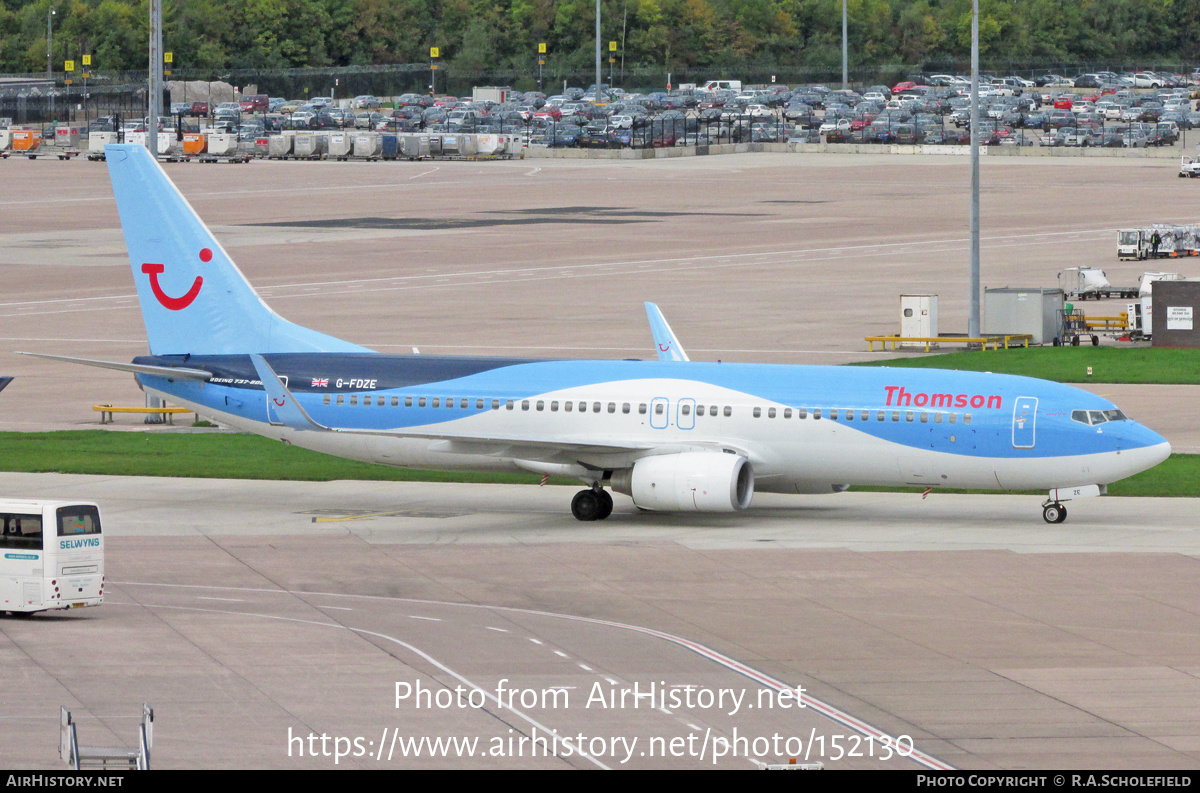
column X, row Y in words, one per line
column 673, row 434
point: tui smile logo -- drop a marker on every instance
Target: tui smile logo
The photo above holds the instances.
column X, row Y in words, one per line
column 175, row 303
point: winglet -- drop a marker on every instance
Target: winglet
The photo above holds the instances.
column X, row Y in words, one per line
column 282, row 407
column 664, row 339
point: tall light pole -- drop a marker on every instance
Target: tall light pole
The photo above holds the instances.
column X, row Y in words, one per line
column 49, row 43
column 845, row 57
column 973, row 301
column 599, row 93
column 156, row 76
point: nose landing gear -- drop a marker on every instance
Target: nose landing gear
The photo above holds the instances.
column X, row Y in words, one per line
column 1054, row 512
column 593, row 504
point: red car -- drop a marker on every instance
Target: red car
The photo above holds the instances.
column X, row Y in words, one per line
column 256, row 103
column 201, row 108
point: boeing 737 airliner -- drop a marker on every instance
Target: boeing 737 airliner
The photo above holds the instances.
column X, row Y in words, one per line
column 673, row 434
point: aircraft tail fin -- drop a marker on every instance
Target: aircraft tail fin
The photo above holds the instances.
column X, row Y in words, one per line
column 193, row 297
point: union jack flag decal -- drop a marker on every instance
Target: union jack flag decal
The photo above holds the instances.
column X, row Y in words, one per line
column 320, row 382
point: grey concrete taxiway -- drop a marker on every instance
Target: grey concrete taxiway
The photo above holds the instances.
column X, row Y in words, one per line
column 258, row 617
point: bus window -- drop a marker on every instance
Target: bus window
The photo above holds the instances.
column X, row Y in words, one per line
column 76, row 520
column 21, row 531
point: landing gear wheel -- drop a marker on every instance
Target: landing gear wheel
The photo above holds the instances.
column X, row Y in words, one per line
column 606, row 504
column 586, row 505
column 1054, row 513
column 1074, row 341
column 1095, row 341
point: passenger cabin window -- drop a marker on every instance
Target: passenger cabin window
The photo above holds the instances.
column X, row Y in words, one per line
column 407, row 402
column 757, row 412
column 524, row 404
column 728, row 410
column 21, row 531
column 833, row 414
column 354, row 399
column 625, row 407
column 327, row 399
column 436, row 402
column 479, row 404
column 395, row 402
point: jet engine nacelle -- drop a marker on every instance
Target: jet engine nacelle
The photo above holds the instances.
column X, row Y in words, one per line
column 688, row 482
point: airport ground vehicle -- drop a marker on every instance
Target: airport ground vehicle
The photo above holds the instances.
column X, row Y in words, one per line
column 1083, row 283
column 1173, row 241
column 53, row 555
column 675, row 436
column 1189, row 166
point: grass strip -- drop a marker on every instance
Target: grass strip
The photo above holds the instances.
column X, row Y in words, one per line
column 215, row 455
column 1148, row 365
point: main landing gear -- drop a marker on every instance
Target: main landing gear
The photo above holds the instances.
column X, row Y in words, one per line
column 592, row 504
column 1054, row 512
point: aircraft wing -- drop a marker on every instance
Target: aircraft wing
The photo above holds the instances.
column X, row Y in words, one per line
column 665, row 343
column 4, row 381
column 286, row 411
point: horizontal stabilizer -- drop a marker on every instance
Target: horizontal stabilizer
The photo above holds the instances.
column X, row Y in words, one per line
column 172, row 372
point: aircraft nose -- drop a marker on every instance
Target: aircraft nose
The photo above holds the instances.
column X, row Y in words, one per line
column 1144, row 448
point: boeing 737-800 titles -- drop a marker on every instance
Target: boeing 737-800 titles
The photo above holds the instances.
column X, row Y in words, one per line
column 673, row 434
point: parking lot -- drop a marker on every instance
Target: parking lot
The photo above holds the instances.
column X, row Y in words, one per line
column 1013, row 653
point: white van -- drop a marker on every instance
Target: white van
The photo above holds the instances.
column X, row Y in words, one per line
column 712, row 86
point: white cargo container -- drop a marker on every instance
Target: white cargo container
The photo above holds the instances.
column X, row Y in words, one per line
column 279, row 147
column 98, row 140
column 340, row 145
column 368, row 145
column 222, row 144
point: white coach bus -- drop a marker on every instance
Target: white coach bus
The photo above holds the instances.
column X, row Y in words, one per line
column 52, row 555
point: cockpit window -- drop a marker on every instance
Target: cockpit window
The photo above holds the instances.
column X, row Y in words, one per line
column 1094, row 417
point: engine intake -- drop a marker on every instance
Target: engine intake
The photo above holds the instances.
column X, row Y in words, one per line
column 688, row 482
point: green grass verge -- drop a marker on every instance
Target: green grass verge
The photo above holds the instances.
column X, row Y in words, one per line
column 217, row 455
column 1069, row 364
column 230, row 456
